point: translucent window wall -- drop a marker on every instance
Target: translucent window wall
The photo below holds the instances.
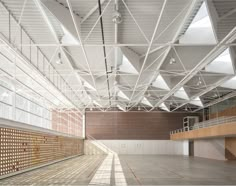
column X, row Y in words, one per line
column 15, row 106
column 31, row 89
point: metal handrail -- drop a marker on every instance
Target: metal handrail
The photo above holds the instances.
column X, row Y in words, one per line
column 89, row 137
column 208, row 123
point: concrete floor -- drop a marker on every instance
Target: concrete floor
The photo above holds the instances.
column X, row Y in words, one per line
column 177, row 170
column 130, row 170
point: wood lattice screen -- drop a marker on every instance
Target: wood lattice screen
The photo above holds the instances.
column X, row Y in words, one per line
column 21, row 150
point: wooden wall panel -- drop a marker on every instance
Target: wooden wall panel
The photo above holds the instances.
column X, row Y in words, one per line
column 20, row 150
column 132, row 125
column 227, row 112
column 226, row 129
column 230, row 148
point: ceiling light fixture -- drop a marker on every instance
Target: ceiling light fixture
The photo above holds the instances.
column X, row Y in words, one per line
column 59, row 61
column 199, row 81
column 172, row 61
column 116, row 17
column 139, row 108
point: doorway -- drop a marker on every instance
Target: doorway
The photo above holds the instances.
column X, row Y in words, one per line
column 191, row 148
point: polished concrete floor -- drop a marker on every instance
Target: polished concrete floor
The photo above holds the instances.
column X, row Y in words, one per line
column 130, row 170
column 177, row 170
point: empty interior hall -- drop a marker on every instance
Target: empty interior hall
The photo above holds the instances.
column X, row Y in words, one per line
column 117, row 92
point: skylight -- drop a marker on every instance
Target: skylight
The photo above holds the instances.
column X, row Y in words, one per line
column 121, row 108
column 68, row 38
column 86, row 84
column 160, row 83
column 230, row 83
column 126, row 66
column 181, row 94
column 164, row 107
column 146, row 102
column 222, row 64
column 201, row 30
column 96, row 103
column 202, row 19
column 197, row 101
column 122, row 95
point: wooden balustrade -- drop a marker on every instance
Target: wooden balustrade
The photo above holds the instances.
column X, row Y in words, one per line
column 221, row 130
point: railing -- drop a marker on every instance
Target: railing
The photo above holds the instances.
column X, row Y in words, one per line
column 100, row 144
column 208, row 123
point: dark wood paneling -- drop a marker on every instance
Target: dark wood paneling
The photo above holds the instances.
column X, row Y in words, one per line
column 132, row 125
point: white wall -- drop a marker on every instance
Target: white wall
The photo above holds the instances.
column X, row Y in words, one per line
column 186, row 147
column 136, row 146
column 207, row 148
column 210, row 148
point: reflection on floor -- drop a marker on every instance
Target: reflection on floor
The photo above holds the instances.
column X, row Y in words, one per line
column 177, row 170
column 110, row 172
column 130, row 169
column 103, row 174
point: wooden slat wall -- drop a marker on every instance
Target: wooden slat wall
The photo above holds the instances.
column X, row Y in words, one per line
column 132, row 125
column 21, row 149
column 230, row 148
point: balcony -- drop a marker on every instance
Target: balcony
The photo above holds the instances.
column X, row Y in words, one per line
column 219, row 127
